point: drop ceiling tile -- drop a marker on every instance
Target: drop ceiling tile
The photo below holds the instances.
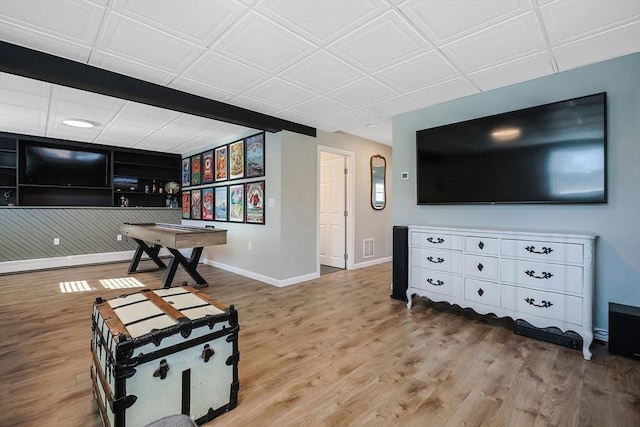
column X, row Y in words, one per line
column 25, row 126
column 61, row 110
column 321, row 107
column 521, row 70
column 566, row 21
column 442, row 92
column 380, row 43
column 122, row 135
column 610, row 44
column 294, row 116
column 198, row 21
column 130, row 68
column 60, row 131
column 381, row 132
column 24, row 85
column 12, row 98
column 263, row 44
column 444, row 21
column 362, row 92
column 279, row 93
column 23, row 113
column 516, row 38
column 255, row 105
column 352, row 118
column 77, row 96
column 321, row 21
column 423, row 70
column 193, row 125
column 216, row 70
column 140, row 43
column 42, row 42
column 321, row 72
column 74, row 21
column 392, row 106
column 201, row 89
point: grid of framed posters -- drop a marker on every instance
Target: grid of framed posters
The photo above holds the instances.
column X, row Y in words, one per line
column 242, row 202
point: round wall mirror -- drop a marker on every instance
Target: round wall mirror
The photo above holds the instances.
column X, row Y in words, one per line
column 378, row 182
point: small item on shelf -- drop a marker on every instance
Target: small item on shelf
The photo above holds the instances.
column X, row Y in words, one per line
column 126, row 202
column 160, row 187
column 168, row 201
column 122, row 201
column 172, row 187
column 146, row 188
column 153, row 187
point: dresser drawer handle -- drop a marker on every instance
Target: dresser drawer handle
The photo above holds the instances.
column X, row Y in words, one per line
column 436, row 241
column 481, row 245
column 545, row 250
column 532, row 273
column 437, row 261
column 480, row 291
column 437, row 282
column 545, row 304
column 480, row 266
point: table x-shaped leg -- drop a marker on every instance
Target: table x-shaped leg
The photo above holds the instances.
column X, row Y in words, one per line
column 151, row 251
column 188, row 264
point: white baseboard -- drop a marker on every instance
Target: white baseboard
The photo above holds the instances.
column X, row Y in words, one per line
column 372, row 262
column 261, row 277
column 68, row 261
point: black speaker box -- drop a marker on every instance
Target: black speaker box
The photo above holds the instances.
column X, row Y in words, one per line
column 624, row 330
column 400, row 275
column 552, row 335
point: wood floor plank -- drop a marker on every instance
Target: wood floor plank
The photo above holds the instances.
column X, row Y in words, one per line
column 335, row 351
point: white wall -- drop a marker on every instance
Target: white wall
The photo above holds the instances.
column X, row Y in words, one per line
column 284, row 250
column 617, row 222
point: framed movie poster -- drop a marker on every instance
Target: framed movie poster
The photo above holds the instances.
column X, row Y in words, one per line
column 254, row 156
column 186, row 204
column 186, row 172
column 220, row 202
column 255, row 202
column 236, row 160
column 196, row 179
column 236, row 203
column 207, row 204
column 207, row 167
column 221, row 157
column 196, row 204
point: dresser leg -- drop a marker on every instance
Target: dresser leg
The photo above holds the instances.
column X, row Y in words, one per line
column 409, row 299
column 587, row 339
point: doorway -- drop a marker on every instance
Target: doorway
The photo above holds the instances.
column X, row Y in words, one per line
column 335, row 229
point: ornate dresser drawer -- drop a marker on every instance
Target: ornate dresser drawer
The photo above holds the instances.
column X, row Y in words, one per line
column 543, row 251
column 437, row 241
column 487, row 293
column 437, row 260
column 553, row 277
column 481, row 245
column 545, row 305
column 437, row 282
column 481, row 267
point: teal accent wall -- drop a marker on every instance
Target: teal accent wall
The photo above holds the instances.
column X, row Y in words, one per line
column 617, row 222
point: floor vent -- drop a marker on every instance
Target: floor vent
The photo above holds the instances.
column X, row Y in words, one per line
column 368, row 248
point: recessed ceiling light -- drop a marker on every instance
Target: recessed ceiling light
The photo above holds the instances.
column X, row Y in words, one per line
column 371, row 125
column 79, row 123
column 505, row 134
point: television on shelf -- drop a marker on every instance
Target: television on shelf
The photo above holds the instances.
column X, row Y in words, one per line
column 553, row 153
column 64, row 166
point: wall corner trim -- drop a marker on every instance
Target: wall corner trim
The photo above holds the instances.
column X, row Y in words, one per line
column 280, row 283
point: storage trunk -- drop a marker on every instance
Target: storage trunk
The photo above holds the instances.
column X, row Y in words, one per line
column 164, row 352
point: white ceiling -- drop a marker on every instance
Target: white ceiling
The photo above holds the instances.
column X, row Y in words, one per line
column 335, row 65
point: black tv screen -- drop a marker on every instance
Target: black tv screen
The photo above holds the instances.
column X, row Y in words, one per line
column 48, row 165
column 553, row 153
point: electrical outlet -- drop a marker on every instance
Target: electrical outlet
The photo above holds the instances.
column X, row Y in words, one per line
column 56, row 241
column 119, row 237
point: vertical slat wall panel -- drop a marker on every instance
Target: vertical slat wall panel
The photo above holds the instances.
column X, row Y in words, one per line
column 27, row 233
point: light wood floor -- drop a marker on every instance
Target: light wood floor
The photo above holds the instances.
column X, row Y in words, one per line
column 337, row 351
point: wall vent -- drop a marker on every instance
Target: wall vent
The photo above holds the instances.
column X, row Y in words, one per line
column 368, row 248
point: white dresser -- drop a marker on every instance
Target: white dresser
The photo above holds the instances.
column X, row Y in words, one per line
column 545, row 279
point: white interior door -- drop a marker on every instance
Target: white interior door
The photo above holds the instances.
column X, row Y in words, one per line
column 332, row 208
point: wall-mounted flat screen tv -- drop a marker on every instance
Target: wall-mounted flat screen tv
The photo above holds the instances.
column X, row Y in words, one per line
column 553, row 153
column 55, row 165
